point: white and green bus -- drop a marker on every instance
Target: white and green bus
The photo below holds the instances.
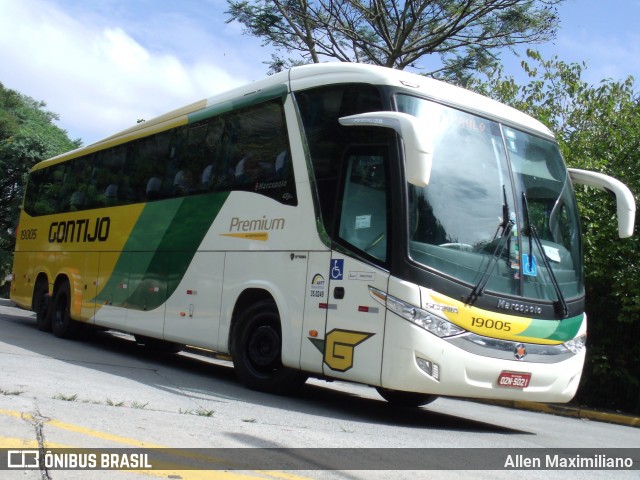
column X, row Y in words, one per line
column 340, row 221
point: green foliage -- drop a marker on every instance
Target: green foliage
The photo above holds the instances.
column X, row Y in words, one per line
column 598, row 128
column 464, row 35
column 27, row 136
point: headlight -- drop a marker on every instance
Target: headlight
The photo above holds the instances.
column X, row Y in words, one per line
column 578, row 344
column 430, row 322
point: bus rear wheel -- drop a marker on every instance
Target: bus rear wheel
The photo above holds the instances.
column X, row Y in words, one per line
column 256, row 350
column 406, row 399
column 41, row 302
column 62, row 325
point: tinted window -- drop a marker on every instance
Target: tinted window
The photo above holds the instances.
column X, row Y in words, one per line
column 246, row 149
column 328, row 141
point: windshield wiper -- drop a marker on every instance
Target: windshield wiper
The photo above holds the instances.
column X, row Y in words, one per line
column 507, row 228
column 561, row 304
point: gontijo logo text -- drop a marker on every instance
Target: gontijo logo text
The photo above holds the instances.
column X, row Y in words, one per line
column 82, row 230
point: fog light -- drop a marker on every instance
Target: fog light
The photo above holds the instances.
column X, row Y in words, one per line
column 430, row 368
column 436, row 371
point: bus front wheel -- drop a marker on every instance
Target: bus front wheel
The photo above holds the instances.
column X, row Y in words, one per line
column 406, row 399
column 62, row 324
column 256, row 350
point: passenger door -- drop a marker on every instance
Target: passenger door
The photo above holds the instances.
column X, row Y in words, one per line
column 355, row 324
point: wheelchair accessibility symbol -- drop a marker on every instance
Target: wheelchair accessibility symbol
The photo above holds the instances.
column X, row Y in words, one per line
column 337, row 269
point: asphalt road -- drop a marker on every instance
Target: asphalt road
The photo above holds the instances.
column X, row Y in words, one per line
column 104, row 391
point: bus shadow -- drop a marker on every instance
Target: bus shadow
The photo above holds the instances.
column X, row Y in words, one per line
column 209, row 380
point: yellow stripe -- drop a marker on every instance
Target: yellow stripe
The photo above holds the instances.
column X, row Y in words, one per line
column 168, row 469
column 101, row 435
column 491, row 324
column 13, row 413
column 261, row 236
column 8, row 442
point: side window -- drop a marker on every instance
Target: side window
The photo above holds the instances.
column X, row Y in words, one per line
column 245, row 149
column 320, row 109
column 256, row 152
column 211, row 170
column 31, row 194
column 75, row 185
column 44, row 191
column 363, row 214
column 147, row 167
column 195, row 164
column 113, row 183
column 187, row 154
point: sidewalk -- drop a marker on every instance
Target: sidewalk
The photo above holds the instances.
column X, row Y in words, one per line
column 571, row 411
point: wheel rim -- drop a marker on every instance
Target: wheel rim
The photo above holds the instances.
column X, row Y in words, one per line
column 263, row 348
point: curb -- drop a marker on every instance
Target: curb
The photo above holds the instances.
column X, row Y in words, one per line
column 570, row 411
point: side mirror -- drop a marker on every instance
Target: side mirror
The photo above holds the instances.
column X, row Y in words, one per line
column 418, row 143
column 626, row 205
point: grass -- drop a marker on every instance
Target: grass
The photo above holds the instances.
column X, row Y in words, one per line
column 66, row 398
column 201, row 412
column 108, row 401
column 8, row 393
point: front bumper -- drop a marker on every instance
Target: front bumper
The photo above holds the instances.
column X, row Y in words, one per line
column 473, row 373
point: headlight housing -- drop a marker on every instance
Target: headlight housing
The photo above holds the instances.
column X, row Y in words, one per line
column 430, row 322
column 577, row 344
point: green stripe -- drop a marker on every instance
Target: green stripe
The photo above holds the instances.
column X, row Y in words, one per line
column 560, row 330
column 160, row 249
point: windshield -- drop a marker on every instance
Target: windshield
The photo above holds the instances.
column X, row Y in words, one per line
column 499, row 212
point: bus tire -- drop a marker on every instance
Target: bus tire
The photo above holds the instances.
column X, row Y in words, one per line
column 256, row 350
column 406, row 399
column 41, row 303
column 62, row 325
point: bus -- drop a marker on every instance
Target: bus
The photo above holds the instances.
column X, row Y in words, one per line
column 340, row 221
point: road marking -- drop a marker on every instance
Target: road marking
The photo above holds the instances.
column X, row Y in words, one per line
column 13, row 413
column 169, row 469
column 8, row 442
column 101, row 435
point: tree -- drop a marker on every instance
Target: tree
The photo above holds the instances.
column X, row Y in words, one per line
column 465, row 35
column 27, row 135
column 598, row 128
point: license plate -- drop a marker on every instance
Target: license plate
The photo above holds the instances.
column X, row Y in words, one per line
column 514, row 379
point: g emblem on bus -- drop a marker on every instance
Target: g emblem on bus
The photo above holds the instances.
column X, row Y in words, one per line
column 338, row 347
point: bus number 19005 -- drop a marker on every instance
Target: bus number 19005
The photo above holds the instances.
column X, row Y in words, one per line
column 29, row 234
column 489, row 323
